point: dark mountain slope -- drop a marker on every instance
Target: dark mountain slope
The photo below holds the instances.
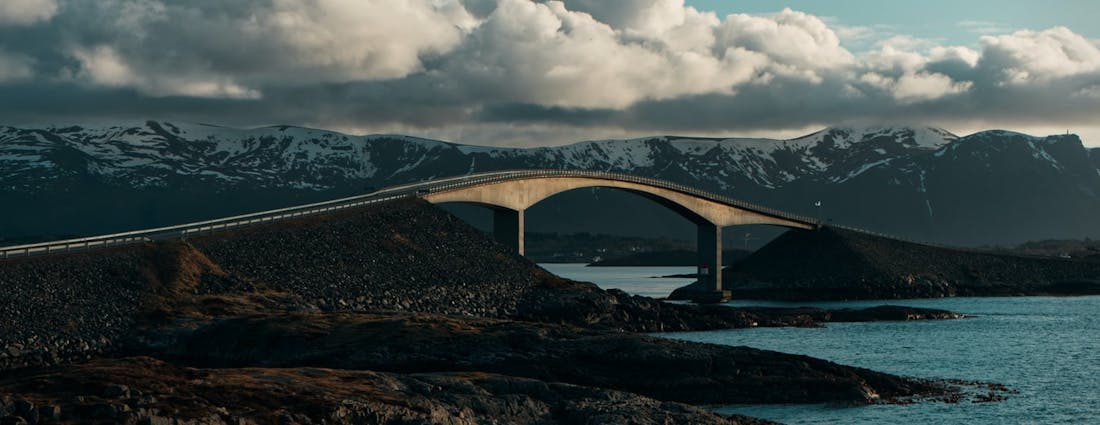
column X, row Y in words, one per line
column 838, row 264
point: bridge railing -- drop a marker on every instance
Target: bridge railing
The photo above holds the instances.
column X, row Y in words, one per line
column 493, row 177
column 221, row 224
column 907, row 239
column 184, row 230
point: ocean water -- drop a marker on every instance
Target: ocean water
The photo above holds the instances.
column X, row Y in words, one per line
column 1046, row 348
column 634, row 280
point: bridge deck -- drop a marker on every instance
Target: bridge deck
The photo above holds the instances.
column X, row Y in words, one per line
column 381, row 196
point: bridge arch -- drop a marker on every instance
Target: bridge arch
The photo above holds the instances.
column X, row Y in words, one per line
column 510, row 197
column 521, row 194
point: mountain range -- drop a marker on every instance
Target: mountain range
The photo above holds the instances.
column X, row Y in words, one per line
column 922, row 183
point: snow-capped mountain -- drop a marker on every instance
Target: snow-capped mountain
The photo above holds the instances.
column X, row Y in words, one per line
column 920, row 182
column 167, row 155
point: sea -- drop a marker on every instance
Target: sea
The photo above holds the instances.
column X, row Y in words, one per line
column 1046, row 349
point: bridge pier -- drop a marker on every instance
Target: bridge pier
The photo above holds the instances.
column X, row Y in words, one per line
column 510, row 193
column 709, row 248
column 508, row 228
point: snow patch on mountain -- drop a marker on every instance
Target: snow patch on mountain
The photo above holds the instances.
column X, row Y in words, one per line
column 861, row 170
column 163, row 154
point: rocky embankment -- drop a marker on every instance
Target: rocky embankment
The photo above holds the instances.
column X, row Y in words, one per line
column 71, row 308
column 435, row 311
column 835, row 264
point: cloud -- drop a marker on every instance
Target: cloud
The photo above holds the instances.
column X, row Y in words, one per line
column 26, row 12
column 983, row 27
column 209, row 48
column 859, row 34
column 14, row 67
column 509, row 66
column 636, row 17
column 1089, row 91
column 1036, row 57
column 922, row 86
column 545, row 54
column 964, row 55
column 789, row 38
column 890, row 59
column 104, row 66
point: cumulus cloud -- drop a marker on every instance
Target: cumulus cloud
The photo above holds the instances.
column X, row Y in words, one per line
column 618, row 67
column 547, row 54
column 917, row 86
column 908, row 75
column 890, row 59
column 1029, row 56
column 964, row 55
column 790, row 38
column 26, row 12
column 209, row 48
column 636, row 17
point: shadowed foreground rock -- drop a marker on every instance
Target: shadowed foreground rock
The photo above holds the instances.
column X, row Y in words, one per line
column 655, row 367
column 144, row 390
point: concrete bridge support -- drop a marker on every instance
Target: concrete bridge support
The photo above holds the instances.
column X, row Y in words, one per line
column 709, row 248
column 508, row 228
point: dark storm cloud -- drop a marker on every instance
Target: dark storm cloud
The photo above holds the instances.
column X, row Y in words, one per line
column 637, row 65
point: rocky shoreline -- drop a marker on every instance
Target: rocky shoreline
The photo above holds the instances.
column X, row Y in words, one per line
column 403, row 299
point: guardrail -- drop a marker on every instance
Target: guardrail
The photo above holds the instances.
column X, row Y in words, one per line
column 471, row 180
column 184, row 230
column 381, row 196
column 221, row 224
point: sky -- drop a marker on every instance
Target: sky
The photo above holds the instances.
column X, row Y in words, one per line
column 541, row 72
column 954, row 22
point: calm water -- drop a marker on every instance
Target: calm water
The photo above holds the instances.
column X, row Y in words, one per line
column 1046, row 348
column 634, row 280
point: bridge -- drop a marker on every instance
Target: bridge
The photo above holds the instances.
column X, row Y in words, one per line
column 508, row 194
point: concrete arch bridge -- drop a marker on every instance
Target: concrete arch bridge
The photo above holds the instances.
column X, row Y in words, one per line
column 510, row 193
